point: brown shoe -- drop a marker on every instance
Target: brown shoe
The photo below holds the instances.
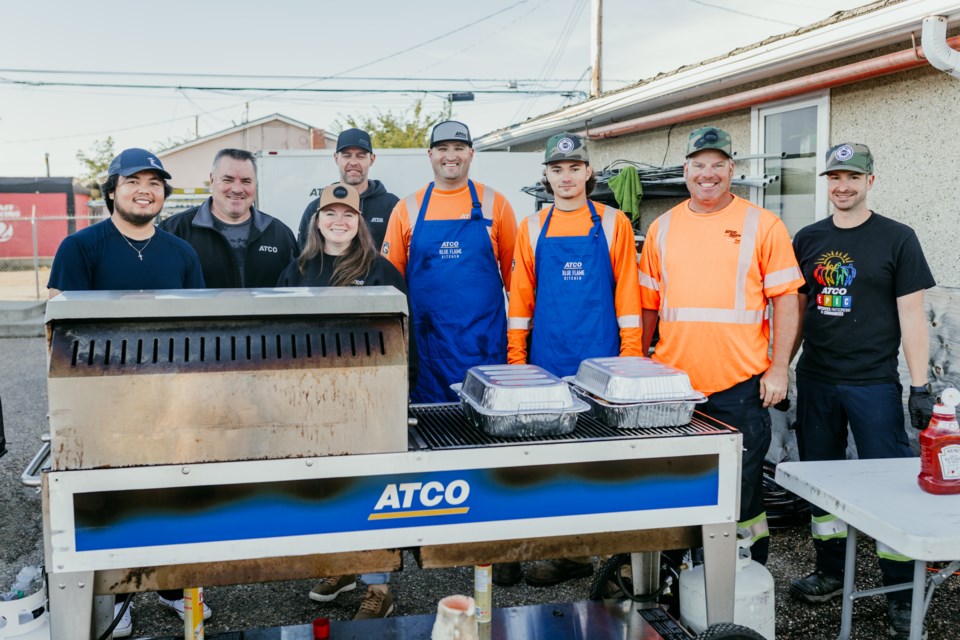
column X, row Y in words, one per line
column 378, row 603
column 546, row 573
column 329, row 588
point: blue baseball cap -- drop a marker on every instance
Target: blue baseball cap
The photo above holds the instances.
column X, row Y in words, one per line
column 131, row 161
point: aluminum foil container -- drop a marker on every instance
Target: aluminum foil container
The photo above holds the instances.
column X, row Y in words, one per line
column 524, row 424
column 639, row 415
column 515, row 387
column 632, row 379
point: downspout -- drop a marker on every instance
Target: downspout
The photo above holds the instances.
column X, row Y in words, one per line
column 864, row 70
column 938, row 51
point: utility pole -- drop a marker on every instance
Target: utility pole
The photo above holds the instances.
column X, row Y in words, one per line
column 46, row 159
column 196, row 127
column 596, row 47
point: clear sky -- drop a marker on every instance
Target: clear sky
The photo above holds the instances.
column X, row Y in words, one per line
column 539, row 44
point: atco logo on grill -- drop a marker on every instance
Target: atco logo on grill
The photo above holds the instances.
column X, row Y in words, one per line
column 573, row 271
column 419, row 500
column 450, row 250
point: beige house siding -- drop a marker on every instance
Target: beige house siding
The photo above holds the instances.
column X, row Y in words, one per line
column 190, row 167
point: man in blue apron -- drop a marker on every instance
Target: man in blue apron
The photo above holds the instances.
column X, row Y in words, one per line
column 453, row 240
column 574, row 294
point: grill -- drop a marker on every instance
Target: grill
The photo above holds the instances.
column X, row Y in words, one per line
column 141, row 378
column 444, row 426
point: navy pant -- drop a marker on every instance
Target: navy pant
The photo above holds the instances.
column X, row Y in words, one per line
column 875, row 415
column 741, row 408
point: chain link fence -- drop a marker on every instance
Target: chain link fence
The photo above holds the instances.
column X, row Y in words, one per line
column 28, row 242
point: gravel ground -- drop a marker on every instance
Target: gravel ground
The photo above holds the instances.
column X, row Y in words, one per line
column 23, row 393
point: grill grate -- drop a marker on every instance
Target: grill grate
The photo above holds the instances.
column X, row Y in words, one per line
column 444, row 426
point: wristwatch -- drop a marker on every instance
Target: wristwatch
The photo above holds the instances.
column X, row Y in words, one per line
column 926, row 388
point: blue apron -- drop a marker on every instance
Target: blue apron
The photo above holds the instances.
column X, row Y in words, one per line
column 575, row 316
column 456, row 294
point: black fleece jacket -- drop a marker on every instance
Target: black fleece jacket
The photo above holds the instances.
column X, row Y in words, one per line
column 270, row 248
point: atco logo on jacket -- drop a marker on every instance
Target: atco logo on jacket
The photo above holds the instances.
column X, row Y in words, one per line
column 573, row 271
column 450, row 250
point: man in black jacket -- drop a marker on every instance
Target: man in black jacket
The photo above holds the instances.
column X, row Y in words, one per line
column 354, row 157
column 238, row 245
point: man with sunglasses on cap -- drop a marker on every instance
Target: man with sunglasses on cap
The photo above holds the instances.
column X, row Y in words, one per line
column 453, row 240
column 574, row 294
column 863, row 296
column 127, row 252
column 354, row 157
column 708, row 269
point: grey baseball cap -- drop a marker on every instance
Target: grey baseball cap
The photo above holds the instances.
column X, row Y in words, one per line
column 450, row 130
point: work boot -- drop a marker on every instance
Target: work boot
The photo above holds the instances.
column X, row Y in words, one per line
column 378, row 603
column 507, row 574
column 546, row 573
column 329, row 588
column 816, row 588
column 898, row 613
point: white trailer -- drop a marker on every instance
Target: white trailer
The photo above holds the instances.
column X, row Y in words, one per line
column 288, row 180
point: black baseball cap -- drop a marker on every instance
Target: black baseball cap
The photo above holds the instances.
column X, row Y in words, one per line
column 354, row 138
column 131, row 161
column 450, row 130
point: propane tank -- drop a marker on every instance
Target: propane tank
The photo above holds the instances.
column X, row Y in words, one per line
column 940, row 447
column 753, row 595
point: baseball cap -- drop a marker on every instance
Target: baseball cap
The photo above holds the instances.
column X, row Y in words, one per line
column 131, row 161
column 709, row 138
column 342, row 193
column 566, row 146
column 450, row 130
column 354, row 138
column 849, row 156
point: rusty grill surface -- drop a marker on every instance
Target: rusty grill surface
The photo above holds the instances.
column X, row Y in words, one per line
column 150, row 347
column 444, row 426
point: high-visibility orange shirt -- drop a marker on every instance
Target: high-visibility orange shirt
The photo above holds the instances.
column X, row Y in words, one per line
column 623, row 257
column 710, row 276
column 452, row 205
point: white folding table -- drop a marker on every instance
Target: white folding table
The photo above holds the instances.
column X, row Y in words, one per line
column 882, row 499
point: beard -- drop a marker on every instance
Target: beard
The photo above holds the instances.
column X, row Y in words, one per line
column 136, row 219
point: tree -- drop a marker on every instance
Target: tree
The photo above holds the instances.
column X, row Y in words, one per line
column 96, row 162
column 404, row 130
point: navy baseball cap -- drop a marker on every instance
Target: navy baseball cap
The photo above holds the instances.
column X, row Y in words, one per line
column 354, row 138
column 131, row 161
column 450, row 130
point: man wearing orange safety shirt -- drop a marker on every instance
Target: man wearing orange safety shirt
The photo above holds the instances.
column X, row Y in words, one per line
column 575, row 288
column 453, row 241
column 708, row 268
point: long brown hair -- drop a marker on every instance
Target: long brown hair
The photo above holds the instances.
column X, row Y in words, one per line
column 352, row 265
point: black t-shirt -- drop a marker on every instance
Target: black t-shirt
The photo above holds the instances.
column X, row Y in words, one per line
column 98, row 258
column 237, row 235
column 382, row 274
column 853, row 277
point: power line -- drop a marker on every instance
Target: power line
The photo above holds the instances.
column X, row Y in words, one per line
column 303, row 89
column 743, row 13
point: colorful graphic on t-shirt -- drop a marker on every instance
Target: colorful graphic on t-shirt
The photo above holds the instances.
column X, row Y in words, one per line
column 835, row 272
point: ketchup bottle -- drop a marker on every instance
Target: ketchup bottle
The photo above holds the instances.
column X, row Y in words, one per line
column 940, row 447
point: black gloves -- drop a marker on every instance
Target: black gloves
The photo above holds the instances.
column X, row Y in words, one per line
column 920, row 406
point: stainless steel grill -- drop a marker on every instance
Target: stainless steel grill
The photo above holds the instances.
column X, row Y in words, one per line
column 444, row 426
column 150, row 378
